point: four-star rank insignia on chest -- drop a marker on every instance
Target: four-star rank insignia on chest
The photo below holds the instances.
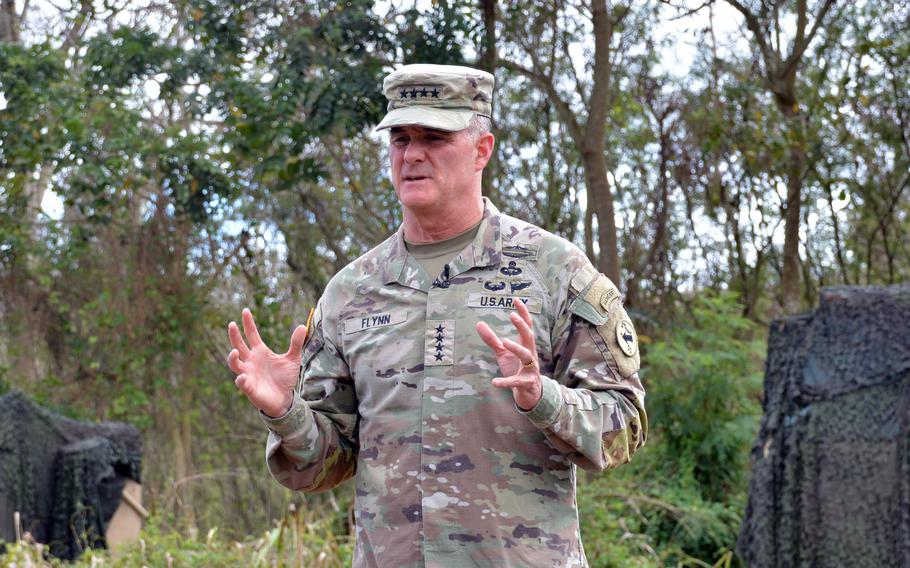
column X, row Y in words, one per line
column 439, row 343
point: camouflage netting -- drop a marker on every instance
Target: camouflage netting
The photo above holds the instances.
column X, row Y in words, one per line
column 831, row 470
column 63, row 476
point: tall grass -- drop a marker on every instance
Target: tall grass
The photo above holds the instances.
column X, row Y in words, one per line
column 301, row 538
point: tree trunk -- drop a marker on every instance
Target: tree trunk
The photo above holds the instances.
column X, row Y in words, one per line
column 597, row 184
column 790, row 275
column 589, row 225
column 592, row 146
column 589, row 136
column 780, row 71
column 9, row 22
column 488, row 62
column 838, row 246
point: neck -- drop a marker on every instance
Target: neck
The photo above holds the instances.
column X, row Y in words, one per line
column 433, row 226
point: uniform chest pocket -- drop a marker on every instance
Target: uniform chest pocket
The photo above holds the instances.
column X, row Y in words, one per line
column 380, row 342
column 374, row 320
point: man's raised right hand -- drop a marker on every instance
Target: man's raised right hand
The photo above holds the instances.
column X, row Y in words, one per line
column 266, row 378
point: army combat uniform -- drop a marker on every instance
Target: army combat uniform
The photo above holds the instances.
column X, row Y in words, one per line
column 396, row 391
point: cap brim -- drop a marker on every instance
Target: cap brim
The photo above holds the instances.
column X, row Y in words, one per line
column 429, row 117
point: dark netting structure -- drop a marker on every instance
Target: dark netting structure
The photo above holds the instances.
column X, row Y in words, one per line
column 64, row 477
column 830, row 469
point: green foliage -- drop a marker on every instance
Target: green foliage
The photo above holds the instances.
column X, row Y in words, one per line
column 680, row 501
column 632, row 518
column 32, row 126
column 125, row 55
column 251, row 179
column 437, row 35
column 704, row 385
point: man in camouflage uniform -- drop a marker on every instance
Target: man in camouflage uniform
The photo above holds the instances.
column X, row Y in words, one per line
column 463, row 443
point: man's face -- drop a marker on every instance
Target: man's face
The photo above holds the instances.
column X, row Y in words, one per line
column 435, row 170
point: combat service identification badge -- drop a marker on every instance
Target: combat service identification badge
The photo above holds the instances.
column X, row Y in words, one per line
column 622, row 342
column 626, row 337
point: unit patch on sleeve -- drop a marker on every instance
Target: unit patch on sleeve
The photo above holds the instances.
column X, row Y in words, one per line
column 626, row 337
column 619, row 335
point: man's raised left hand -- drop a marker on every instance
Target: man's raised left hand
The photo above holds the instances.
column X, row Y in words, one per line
column 517, row 361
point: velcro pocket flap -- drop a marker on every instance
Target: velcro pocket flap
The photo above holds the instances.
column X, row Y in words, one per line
column 597, row 301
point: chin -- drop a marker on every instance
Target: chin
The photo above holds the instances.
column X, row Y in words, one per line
column 416, row 198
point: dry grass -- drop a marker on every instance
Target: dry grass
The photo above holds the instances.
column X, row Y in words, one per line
column 301, row 538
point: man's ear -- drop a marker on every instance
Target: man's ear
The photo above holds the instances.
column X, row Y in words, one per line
column 484, row 145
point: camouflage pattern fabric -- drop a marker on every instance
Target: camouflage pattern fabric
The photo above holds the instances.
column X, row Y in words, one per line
column 436, row 96
column 830, row 465
column 396, row 391
column 65, row 477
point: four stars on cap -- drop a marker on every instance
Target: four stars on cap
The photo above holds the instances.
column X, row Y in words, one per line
column 422, row 93
column 445, row 97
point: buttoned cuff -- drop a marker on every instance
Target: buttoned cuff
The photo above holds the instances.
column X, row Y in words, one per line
column 296, row 419
column 546, row 411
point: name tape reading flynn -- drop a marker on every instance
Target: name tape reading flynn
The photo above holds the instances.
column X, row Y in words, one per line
column 369, row 321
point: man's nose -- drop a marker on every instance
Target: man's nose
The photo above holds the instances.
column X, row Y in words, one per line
column 414, row 152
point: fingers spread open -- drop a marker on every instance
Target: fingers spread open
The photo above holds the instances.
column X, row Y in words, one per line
column 510, row 382
column 235, row 363
column 243, row 384
column 523, row 312
column 489, row 337
column 237, row 341
column 297, row 342
column 524, row 355
column 249, row 328
column 524, row 332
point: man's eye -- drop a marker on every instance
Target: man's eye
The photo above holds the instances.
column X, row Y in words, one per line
column 399, row 141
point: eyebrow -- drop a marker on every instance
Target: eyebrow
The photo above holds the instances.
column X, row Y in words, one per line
column 400, row 130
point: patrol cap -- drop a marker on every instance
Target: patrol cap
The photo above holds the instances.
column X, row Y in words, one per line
column 445, row 97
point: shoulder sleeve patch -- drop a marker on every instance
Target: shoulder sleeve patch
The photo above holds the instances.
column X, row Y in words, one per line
column 603, row 295
column 582, row 278
column 622, row 342
column 314, row 340
column 312, row 347
column 597, row 296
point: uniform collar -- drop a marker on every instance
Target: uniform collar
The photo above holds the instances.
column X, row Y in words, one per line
column 485, row 250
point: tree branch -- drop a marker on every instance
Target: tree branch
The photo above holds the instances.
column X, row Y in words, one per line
column 688, row 12
column 754, row 25
column 800, row 45
column 565, row 112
